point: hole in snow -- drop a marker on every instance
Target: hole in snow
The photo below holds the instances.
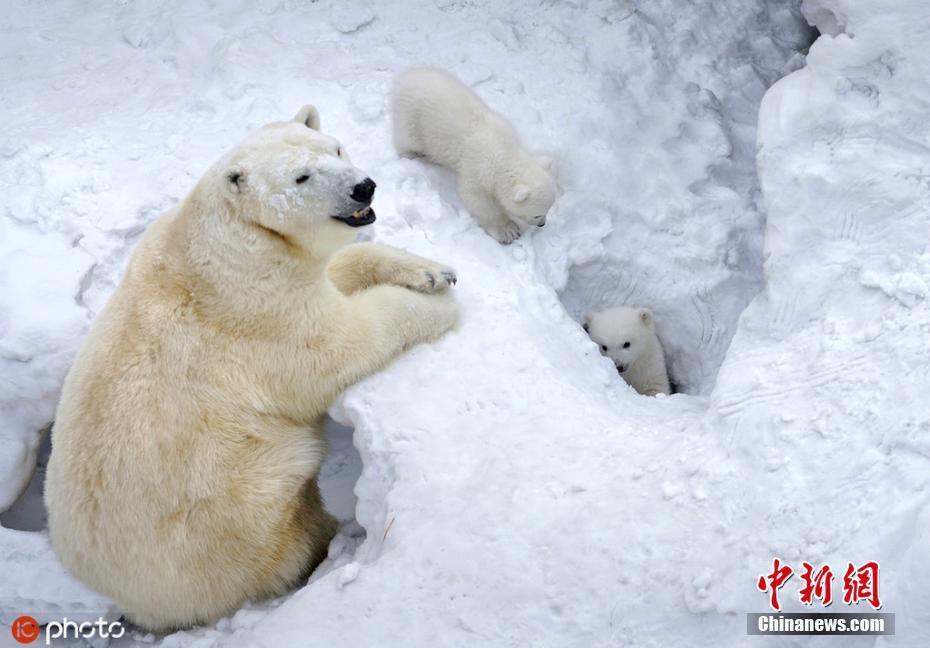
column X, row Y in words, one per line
column 686, row 229
column 340, row 471
column 28, row 511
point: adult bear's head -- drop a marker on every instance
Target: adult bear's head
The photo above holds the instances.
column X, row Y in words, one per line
column 288, row 180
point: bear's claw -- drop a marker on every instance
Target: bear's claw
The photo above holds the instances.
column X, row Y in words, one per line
column 507, row 233
column 434, row 280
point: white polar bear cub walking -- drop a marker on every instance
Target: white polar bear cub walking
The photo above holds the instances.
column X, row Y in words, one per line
column 189, row 436
column 628, row 337
column 503, row 186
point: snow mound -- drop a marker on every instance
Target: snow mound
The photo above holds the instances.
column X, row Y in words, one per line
column 514, row 491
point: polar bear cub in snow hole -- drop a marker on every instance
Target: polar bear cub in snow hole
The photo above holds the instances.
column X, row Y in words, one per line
column 502, row 185
column 628, row 337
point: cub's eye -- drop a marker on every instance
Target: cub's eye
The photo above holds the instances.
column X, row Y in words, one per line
column 626, row 345
column 603, row 347
column 302, row 179
column 339, row 152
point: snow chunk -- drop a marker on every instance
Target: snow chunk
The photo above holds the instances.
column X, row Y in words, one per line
column 42, row 321
column 351, row 15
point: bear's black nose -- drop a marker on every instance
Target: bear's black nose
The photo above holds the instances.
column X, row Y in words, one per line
column 364, row 190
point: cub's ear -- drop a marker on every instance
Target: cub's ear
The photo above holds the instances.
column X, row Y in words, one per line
column 646, row 316
column 544, row 160
column 234, row 181
column 309, row 116
column 520, row 193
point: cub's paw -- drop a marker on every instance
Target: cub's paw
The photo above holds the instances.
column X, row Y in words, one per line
column 506, row 233
column 428, row 277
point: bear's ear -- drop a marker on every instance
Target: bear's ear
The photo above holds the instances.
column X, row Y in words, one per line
column 646, row 316
column 520, row 193
column 234, row 181
column 309, row 116
column 544, row 160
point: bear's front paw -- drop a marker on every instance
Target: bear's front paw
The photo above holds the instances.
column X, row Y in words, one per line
column 433, row 278
column 506, row 233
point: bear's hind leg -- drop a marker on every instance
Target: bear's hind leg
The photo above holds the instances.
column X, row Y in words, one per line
column 405, row 143
column 306, row 544
column 320, row 527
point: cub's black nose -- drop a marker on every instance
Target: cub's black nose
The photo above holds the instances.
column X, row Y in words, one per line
column 364, row 190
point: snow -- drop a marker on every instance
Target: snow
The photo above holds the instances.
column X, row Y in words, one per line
column 513, row 490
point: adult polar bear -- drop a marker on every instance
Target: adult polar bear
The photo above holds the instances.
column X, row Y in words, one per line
column 187, row 442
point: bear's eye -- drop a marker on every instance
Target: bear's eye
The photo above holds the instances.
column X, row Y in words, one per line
column 626, row 345
column 302, row 179
column 603, row 347
column 339, row 152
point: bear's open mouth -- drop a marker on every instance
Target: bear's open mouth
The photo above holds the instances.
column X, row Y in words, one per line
column 363, row 216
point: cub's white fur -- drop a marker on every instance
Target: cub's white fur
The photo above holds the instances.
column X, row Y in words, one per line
column 503, row 186
column 627, row 336
column 185, row 451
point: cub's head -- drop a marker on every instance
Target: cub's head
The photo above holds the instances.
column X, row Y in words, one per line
column 528, row 195
column 289, row 180
column 623, row 334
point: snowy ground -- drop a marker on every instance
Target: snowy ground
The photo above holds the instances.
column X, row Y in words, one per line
column 514, row 492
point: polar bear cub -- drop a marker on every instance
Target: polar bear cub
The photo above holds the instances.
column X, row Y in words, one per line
column 503, row 186
column 628, row 337
column 186, row 447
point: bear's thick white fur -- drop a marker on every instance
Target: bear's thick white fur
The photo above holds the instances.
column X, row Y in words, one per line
column 503, row 186
column 185, row 451
column 628, row 337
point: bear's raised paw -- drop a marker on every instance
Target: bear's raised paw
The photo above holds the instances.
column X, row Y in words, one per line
column 431, row 279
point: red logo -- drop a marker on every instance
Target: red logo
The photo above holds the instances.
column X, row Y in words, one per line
column 25, row 629
column 819, row 585
column 773, row 581
column 858, row 584
column 861, row 585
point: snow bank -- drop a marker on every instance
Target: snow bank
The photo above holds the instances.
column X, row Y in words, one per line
column 514, row 491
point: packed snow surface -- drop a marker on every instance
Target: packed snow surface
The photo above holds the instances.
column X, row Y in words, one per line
column 513, row 490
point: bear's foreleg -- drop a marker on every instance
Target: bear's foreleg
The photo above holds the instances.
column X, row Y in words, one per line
column 484, row 207
column 363, row 265
column 377, row 325
column 655, row 381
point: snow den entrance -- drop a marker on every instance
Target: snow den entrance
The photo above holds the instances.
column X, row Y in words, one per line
column 342, row 468
column 28, row 511
column 677, row 204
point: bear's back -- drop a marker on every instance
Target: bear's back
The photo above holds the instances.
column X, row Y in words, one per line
column 450, row 120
